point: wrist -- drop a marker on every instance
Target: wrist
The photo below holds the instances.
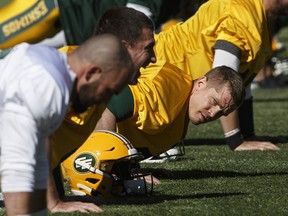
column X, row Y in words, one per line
column 234, row 138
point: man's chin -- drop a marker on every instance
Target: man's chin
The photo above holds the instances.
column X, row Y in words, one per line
column 195, row 122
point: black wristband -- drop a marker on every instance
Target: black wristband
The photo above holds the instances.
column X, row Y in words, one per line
column 235, row 140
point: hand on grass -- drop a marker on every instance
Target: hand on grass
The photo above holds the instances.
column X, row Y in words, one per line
column 154, row 180
column 76, row 206
column 257, row 145
column 157, row 173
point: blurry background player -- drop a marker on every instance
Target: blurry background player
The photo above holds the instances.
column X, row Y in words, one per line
column 38, row 84
column 274, row 74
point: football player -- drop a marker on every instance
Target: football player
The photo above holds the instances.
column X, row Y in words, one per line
column 38, row 83
column 219, row 35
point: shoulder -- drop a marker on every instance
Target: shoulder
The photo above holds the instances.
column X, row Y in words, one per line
column 161, row 85
column 163, row 74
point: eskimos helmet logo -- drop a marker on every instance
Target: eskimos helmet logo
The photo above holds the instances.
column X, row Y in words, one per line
column 83, row 162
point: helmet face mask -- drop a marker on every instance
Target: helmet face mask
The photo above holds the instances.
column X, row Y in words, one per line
column 138, row 185
column 106, row 164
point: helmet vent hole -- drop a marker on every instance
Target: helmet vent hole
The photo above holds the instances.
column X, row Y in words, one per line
column 111, row 149
column 92, row 180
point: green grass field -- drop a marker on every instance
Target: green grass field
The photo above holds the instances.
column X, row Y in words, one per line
column 212, row 180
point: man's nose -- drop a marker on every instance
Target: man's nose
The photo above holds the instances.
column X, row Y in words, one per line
column 215, row 111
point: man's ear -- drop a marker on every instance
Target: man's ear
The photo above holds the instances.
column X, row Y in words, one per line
column 91, row 71
column 127, row 44
column 200, row 83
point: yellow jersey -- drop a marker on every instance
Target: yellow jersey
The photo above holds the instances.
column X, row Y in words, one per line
column 190, row 45
column 160, row 116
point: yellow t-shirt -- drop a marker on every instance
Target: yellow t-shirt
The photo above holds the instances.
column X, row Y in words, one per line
column 160, row 116
column 28, row 21
column 189, row 45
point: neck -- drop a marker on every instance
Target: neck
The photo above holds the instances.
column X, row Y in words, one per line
column 73, row 62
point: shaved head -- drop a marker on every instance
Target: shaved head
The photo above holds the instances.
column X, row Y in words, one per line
column 105, row 50
column 103, row 67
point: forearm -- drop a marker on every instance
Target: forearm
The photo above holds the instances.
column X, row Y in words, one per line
column 52, row 194
column 232, row 133
column 230, row 122
column 107, row 121
column 25, row 203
